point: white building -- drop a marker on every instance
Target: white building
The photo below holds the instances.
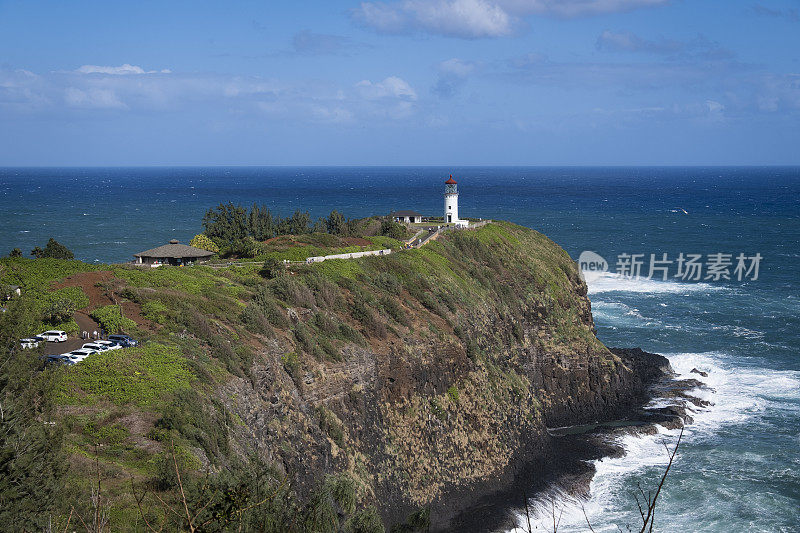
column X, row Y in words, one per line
column 406, row 216
column 451, row 203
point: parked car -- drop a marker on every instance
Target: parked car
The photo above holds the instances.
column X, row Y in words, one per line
column 53, row 335
column 125, row 340
column 95, row 346
column 112, row 345
column 80, row 354
column 31, row 342
column 59, row 360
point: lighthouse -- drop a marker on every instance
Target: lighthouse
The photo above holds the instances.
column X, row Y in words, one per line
column 451, row 203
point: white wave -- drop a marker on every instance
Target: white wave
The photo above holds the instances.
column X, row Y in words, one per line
column 602, row 282
column 737, row 395
column 740, row 331
column 618, row 312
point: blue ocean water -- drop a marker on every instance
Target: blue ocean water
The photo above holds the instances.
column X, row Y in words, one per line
column 739, row 467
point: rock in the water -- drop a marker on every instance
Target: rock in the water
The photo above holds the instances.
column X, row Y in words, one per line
column 695, row 371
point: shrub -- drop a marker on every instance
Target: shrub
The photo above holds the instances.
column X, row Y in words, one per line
column 272, row 268
column 394, row 310
column 110, row 319
column 273, row 312
column 367, row 317
column 452, row 393
column 293, row 292
column 365, row 521
column 331, row 425
column 156, row 311
column 291, row 363
column 392, row 229
column 59, row 311
column 255, row 320
column 387, row 282
column 16, row 252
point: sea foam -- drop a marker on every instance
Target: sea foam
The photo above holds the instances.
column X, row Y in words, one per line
column 602, row 282
column 737, row 395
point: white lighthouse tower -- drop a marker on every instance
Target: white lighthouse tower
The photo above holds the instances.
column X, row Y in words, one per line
column 451, row 203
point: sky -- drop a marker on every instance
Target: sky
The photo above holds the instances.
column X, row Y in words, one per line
column 400, row 82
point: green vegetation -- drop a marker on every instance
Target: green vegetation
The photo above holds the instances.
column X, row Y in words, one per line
column 110, row 319
column 222, row 345
column 142, row 376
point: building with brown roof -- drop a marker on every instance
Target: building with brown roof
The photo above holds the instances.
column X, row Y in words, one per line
column 173, row 253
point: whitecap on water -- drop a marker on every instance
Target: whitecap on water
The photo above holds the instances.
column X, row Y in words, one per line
column 602, row 282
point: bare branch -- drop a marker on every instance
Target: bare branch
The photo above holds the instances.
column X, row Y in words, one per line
column 180, row 484
column 652, row 503
column 586, row 518
column 69, row 518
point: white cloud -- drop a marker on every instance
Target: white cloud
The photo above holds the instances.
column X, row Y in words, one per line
column 391, row 87
column 93, row 98
column 453, row 74
column 473, row 19
column 469, row 19
column 699, row 47
column 456, row 67
column 574, row 8
column 118, row 71
column 91, row 94
column 714, row 106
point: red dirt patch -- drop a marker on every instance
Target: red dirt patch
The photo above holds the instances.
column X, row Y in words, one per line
column 356, row 241
column 100, row 296
column 88, row 282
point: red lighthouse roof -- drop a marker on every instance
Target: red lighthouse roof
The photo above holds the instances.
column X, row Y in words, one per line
column 451, row 181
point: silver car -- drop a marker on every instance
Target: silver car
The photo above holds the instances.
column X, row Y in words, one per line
column 111, row 345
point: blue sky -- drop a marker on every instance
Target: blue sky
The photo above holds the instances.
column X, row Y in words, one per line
column 408, row 82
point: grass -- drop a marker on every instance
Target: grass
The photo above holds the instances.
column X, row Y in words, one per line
column 140, row 376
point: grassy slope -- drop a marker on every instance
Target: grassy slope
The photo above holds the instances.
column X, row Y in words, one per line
column 203, row 326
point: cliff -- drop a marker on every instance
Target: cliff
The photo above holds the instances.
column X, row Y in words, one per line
column 426, row 379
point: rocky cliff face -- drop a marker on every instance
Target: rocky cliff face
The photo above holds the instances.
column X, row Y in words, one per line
column 452, row 404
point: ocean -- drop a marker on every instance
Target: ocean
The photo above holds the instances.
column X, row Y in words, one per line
column 738, row 468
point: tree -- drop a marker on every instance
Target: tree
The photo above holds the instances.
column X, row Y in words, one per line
column 37, row 252
column 31, row 461
column 262, row 225
column 227, row 222
column 56, row 250
column 336, row 224
column 16, row 252
column 202, row 241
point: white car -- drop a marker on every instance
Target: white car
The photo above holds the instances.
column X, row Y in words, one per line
column 31, row 342
column 95, row 347
column 80, row 354
column 110, row 345
column 53, row 335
